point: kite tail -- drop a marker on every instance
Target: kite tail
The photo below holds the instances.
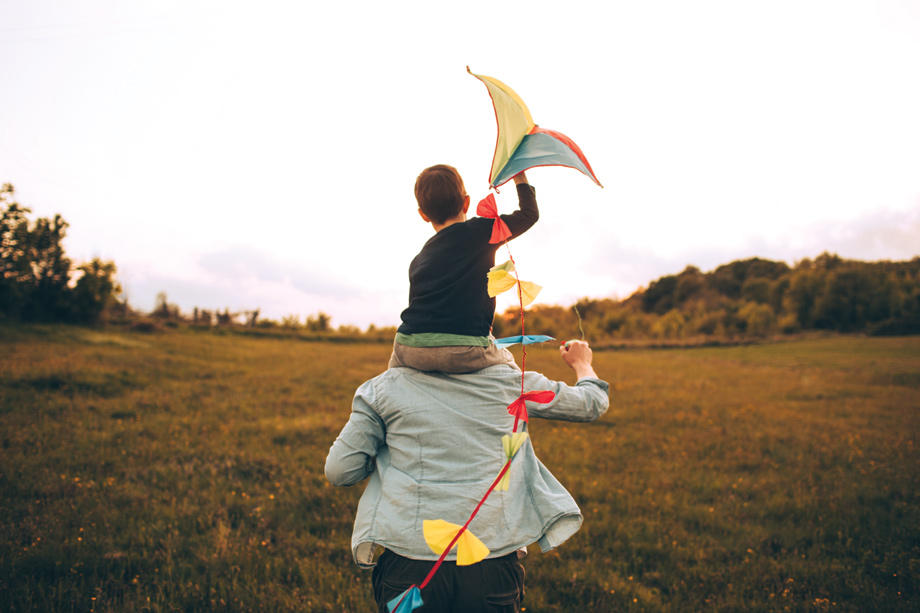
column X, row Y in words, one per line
column 517, row 275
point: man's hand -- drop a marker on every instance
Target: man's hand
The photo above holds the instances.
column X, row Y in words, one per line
column 520, row 178
column 578, row 356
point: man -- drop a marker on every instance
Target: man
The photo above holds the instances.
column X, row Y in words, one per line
column 431, row 444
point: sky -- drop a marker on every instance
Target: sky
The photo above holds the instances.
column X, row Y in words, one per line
column 263, row 155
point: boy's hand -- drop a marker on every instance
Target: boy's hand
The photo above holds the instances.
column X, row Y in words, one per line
column 578, row 356
column 520, row 179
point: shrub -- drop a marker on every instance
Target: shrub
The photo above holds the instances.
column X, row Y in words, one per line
column 758, row 319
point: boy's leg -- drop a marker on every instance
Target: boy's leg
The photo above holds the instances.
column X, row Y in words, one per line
column 451, row 359
column 395, row 361
column 471, row 359
column 419, row 358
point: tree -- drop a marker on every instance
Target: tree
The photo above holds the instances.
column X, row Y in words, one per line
column 804, row 287
column 35, row 270
column 319, row 322
column 13, row 264
column 659, row 297
column 690, row 283
column 846, row 304
column 291, row 322
column 756, row 289
column 670, row 325
column 95, row 290
column 728, row 279
column 758, row 319
column 165, row 310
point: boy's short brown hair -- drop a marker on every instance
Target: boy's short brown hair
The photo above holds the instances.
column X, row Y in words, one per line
column 440, row 193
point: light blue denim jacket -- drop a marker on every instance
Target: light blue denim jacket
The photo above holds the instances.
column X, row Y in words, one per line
column 431, row 444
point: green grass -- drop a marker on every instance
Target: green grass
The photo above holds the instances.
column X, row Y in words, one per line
column 182, row 471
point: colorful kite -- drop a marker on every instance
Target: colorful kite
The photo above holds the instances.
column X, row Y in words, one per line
column 521, row 144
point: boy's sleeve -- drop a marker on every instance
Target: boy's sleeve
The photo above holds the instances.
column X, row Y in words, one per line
column 352, row 456
column 527, row 213
column 587, row 400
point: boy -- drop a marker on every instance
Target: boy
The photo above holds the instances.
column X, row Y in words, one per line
column 447, row 326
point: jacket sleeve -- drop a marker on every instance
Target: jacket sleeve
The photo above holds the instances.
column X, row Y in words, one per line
column 352, row 456
column 527, row 214
column 587, row 400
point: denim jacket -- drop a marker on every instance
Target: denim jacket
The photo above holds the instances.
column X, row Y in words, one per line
column 431, row 444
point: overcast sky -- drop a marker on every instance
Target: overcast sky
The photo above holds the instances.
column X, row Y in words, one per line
column 250, row 155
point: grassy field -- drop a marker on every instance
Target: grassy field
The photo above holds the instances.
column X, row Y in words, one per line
column 183, row 471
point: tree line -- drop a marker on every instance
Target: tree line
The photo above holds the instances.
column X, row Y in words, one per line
column 751, row 298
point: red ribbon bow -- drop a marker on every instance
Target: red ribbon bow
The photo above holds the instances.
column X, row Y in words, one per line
column 487, row 208
column 518, row 408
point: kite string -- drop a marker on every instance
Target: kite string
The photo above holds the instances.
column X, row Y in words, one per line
column 465, row 526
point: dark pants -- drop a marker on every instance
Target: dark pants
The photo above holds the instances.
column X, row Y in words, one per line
column 495, row 585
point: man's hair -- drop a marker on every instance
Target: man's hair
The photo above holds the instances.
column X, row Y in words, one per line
column 440, row 193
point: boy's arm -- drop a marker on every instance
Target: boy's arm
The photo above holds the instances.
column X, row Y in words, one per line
column 527, row 213
column 352, row 456
column 520, row 178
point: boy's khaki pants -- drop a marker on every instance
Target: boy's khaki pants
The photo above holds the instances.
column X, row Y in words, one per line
column 449, row 359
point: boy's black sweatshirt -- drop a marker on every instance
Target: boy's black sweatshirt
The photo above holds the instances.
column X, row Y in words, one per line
column 447, row 279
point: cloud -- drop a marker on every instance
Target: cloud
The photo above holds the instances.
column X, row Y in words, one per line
column 882, row 235
column 886, row 235
column 242, row 278
column 243, row 264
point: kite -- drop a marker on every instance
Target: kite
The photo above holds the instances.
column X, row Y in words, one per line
column 501, row 278
column 521, row 144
